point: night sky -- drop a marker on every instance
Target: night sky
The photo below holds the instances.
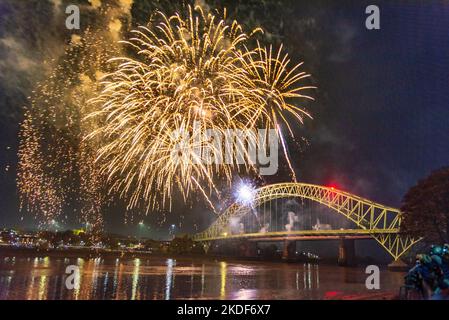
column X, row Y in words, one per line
column 381, row 111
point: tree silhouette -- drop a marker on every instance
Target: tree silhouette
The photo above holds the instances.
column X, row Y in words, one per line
column 425, row 208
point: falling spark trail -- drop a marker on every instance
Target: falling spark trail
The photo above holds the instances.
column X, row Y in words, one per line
column 205, row 196
column 284, row 148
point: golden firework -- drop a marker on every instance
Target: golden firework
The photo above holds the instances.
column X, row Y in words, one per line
column 188, row 72
column 57, row 172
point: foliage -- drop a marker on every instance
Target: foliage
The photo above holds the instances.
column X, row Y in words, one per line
column 426, row 208
column 181, row 245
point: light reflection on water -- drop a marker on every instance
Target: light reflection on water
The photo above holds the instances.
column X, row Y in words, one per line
column 223, row 267
column 160, row 278
column 168, row 278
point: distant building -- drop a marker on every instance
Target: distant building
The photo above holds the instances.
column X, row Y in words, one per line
column 78, row 232
column 8, row 236
column 27, row 240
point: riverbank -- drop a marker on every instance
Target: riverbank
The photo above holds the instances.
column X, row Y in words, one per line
column 87, row 253
column 90, row 253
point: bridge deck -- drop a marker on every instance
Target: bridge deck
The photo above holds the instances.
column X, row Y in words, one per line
column 309, row 238
column 303, row 235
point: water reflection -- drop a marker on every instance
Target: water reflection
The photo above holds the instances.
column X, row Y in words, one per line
column 311, row 278
column 80, row 264
column 223, row 274
column 135, row 278
column 168, row 278
column 160, row 278
column 202, row 279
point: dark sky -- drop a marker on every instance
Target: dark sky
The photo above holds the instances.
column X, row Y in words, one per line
column 381, row 114
column 383, row 122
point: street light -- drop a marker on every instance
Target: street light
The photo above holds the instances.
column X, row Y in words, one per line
column 141, row 225
column 171, row 230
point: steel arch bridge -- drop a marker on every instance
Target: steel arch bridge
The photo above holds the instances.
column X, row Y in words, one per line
column 371, row 219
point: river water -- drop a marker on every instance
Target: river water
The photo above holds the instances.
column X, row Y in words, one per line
column 186, row 278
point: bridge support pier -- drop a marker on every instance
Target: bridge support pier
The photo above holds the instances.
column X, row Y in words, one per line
column 398, row 265
column 289, row 250
column 346, row 252
column 206, row 246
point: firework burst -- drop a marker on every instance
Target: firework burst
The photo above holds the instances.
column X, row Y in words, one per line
column 187, row 71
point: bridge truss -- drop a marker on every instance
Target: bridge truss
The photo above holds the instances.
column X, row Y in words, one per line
column 378, row 221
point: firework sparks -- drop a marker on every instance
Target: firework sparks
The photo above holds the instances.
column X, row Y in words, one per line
column 57, row 172
column 184, row 71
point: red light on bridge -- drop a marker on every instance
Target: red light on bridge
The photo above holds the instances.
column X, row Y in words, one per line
column 331, row 294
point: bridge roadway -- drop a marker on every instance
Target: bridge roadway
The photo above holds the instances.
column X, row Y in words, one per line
column 305, row 235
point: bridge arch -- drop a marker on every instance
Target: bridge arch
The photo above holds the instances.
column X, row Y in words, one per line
column 380, row 222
